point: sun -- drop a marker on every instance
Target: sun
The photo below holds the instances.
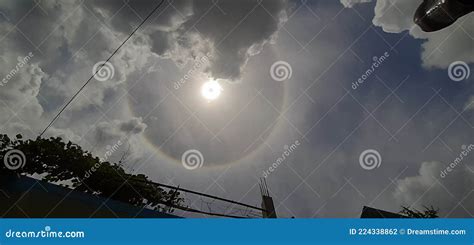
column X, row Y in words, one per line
column 211, row 90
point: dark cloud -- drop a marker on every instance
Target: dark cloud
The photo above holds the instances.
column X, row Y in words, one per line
column 189, row 28
column 242, row 25
column 133, row 126
column 106, row 131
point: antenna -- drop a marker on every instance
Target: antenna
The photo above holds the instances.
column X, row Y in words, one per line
column 267, row 201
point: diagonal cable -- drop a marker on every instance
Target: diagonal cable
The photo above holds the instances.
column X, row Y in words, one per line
column 100, row 67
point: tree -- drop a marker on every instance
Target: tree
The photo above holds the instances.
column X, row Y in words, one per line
column 59, row 161
column 428, row 212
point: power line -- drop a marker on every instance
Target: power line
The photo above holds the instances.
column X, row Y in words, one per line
column 192, row 210
column 100, row 67
column 200, row 194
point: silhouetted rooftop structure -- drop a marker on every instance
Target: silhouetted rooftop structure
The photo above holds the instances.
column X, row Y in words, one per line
column 368, row 212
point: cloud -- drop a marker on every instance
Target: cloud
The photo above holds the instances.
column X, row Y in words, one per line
column 19, row 105
column 133, row 126
column 125, row 133
column 107, row 131
column 452, row 195
column 439, row 49
column 68, row 39
column 65, row 134
column 351, row 3
column 187, row 29
column 238, row 36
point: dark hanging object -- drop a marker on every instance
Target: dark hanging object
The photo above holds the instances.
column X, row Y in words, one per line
column 434, row 15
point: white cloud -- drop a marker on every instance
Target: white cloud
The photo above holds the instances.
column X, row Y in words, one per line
column 447, row 194
column 19, row 105
column 440, row 48
column 351, row 3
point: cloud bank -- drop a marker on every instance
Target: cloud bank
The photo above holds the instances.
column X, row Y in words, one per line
column 439, row 49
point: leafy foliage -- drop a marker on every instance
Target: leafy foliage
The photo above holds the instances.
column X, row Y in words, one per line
column 59, row 161
column 429, row 212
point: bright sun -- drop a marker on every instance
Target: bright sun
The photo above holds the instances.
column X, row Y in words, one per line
column 211, row 90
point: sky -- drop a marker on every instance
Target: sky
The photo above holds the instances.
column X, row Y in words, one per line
column 336, row 104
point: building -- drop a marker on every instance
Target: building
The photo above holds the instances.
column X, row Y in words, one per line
column 368, row 212
column 25, row 197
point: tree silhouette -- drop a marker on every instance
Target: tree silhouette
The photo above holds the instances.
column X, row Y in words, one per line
column 428, row 212
column 59, row 161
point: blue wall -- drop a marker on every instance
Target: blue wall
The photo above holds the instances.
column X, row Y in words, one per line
column 30, row 198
